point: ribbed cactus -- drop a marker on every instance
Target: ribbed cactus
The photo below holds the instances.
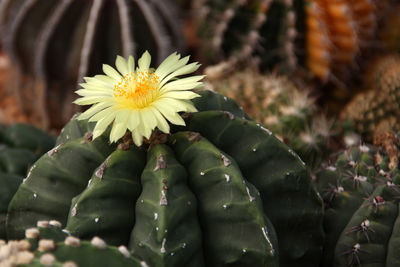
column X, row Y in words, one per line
column 49, row 245
column 361, row 194
column 20, row 146
column 377, row 109
column 277, row 103
column 323, row 35
column 52, row 45
column 220, row 191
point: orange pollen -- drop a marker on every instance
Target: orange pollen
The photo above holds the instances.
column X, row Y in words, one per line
column 136, row 85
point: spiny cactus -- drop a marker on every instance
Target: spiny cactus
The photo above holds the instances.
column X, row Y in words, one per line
column 323, row 35
column 20, row 146
column 289, row 112
column 54, row 44
column 377, row 109
column 220, row 191
column 361, row 194
column 49, row 245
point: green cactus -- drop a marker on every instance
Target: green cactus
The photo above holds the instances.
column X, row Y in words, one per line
column 49, row 245
column 361, row 195
column 20, row 146
column 290, row 113
column 220, row 191
column 54, row 44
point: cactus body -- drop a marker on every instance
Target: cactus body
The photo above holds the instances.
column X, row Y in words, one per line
column 213, row 194
column 56, row 43
column 361, row 199
column 20, row 146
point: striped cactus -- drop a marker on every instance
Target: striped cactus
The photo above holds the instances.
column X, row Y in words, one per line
column 53, row 44
column 323, row 35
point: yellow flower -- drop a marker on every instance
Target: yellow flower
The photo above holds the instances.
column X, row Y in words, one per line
column 139, row 99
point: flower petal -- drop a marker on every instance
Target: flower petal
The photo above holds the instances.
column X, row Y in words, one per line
column 180, row 95
column 144, row 61
column 111, row 72
column 148, row 122
column 134, row 120
column 181, row 71
column 93, row 110
column 162, row 124
column 131, row 64
column 88, row 100
column 86, row 92
column 122, row 65
column 171, row 67
column 119, row 126
column 179, row 105
column 137, row 138
column 103, row 113
column 180, row 87
column 102, row 125
column 103, row 79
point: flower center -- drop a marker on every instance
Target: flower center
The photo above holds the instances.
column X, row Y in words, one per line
column 137, row 89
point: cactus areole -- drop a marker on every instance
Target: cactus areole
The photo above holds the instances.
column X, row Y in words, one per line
column 212, row 189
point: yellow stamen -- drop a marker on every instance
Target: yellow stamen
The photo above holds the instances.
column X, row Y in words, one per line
column 137, row 89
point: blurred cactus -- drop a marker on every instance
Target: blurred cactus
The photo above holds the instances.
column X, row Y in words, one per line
column 325, row 36
column 54, row 44
column 389, row 35
column 378, row 109
column 290, row 113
